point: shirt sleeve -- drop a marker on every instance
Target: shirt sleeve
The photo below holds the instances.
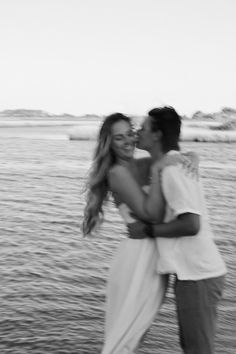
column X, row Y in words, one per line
column 180, row 190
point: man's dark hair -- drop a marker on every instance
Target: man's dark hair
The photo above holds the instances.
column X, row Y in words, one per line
column 167, row 120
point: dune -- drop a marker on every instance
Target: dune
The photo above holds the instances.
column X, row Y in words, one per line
column 189, row 133
column 36, row 123
column 208, row 135
column 192, row 130
column 84, row 132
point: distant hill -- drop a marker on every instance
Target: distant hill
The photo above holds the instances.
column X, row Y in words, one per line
column 38, row 113
column 24, row 113
column 225, row 114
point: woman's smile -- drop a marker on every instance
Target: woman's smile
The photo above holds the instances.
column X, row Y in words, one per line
column 123, row 140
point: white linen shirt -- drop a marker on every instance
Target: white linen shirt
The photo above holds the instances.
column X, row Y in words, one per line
column 189, row 257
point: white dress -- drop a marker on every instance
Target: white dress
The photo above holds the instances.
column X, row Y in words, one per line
column 135, row 293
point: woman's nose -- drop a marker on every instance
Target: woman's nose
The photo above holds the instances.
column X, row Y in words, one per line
column 128, row 139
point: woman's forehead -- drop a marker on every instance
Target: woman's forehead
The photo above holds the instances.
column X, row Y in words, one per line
column 120, row 127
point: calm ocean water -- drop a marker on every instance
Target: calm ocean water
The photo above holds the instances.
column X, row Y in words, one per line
column 53, row 281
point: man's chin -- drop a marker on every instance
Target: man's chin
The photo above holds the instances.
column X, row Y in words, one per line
column 139, row 146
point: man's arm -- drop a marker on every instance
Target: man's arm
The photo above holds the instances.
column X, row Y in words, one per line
column 181, row 195
column 187, row 224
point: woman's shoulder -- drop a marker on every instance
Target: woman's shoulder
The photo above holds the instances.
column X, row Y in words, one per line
column 116, row 170
column 116, row 175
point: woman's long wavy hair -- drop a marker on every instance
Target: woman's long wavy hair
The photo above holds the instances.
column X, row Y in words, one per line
column 97, row 185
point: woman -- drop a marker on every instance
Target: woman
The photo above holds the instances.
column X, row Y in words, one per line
column 135, row 290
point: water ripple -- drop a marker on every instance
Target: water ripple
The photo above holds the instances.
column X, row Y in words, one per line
column 54, row 281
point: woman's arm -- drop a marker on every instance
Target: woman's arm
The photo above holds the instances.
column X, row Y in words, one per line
column 156, row 198
column 149, row 207
column 146, row 207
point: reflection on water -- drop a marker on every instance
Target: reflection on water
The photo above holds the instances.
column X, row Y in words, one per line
column 53, row 281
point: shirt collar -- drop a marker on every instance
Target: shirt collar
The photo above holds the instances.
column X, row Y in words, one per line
column 173, row 152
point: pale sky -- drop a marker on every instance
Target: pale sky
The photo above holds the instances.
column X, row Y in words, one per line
column 101, row 56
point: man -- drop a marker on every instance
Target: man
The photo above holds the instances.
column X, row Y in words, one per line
column 184, row 241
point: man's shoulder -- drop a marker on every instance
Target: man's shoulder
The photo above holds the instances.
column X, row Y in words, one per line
column 172, row 170
column 178, row 175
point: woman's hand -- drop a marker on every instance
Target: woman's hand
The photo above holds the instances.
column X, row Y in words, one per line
column 189, row 161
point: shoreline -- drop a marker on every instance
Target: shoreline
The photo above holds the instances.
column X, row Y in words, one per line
column 194, row 130
column 202, row 132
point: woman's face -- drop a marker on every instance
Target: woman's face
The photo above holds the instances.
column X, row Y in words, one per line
column 123, row 140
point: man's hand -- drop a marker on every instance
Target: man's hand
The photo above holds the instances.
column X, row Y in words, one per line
column 136, row 230
column 188, row 160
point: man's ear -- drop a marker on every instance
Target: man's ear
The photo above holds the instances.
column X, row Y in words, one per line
column 157, row 135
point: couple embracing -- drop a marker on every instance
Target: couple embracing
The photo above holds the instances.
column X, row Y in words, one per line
column 161, row 200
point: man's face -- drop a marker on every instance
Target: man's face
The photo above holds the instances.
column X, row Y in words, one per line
column 145, row 135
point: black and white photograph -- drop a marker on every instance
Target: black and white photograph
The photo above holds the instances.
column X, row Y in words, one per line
column 117, row 176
